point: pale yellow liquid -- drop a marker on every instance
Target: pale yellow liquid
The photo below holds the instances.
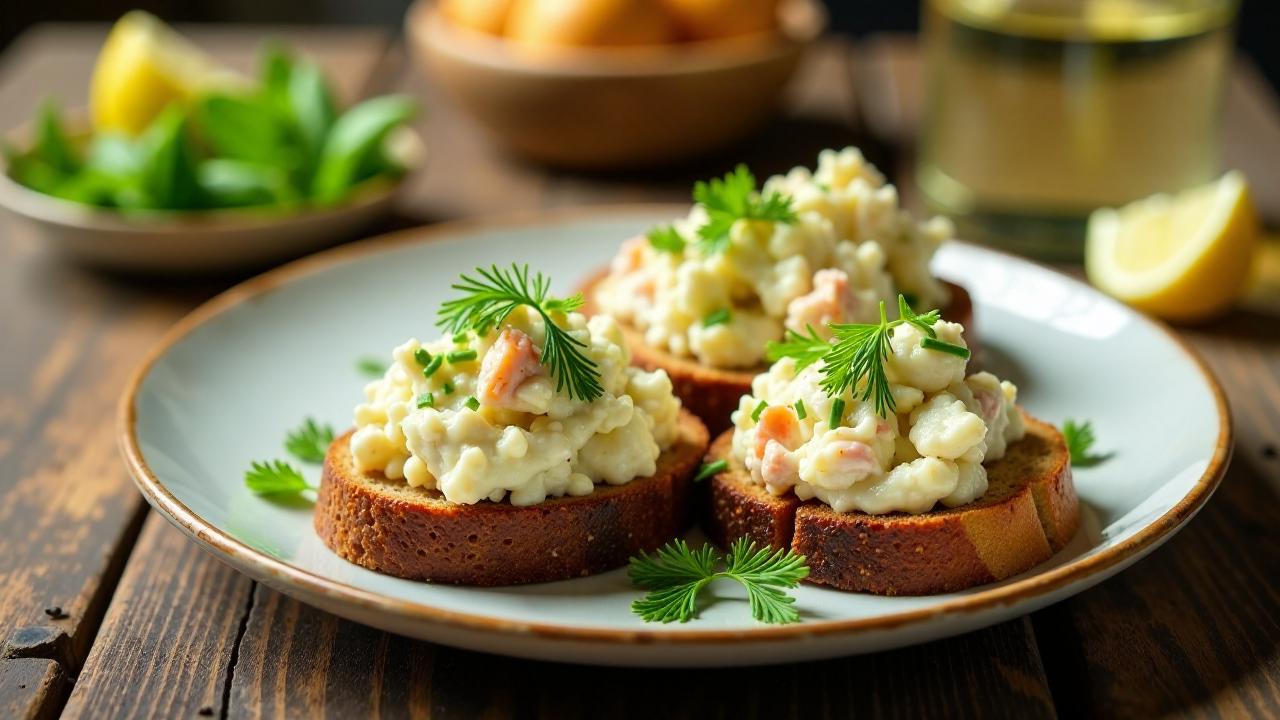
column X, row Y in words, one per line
column 1038, row 112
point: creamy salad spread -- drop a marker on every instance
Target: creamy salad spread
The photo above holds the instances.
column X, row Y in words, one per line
column 478, row 417
column 929, row 449
column 849, row 247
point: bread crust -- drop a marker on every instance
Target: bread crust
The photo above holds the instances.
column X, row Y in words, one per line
column 1029, row 511
column 713, row 393
column 414, row 533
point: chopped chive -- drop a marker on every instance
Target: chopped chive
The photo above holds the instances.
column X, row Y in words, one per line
column 946, row 347
column 458, row 356
column 716, row 317
column 837, row 413
column 433, row 366
column 800, row 411
column 448, row 388
column 426, row 400
column 461, row 336
column 755, row 414
column 372, row 367
column 711, row 468
column 422, row 356
column 472, row 403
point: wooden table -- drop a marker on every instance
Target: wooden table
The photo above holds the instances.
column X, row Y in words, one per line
column 106, row 611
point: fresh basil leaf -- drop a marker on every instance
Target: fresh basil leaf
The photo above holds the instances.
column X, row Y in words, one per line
column 237, row 183
column 90, row 188
column 277, row 68
column 34, row 174
column 311, row 105
column 356, row 135
column 167, row 168
column 112, row 155
column 243, row 128
column 52, row 146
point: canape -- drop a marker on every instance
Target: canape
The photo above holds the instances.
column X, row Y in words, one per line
column 702, row 297
column 520, row 447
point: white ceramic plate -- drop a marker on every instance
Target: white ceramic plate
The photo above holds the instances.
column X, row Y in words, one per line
column 230, row 379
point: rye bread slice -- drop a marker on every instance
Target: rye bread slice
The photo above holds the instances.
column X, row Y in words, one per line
column 1029, row 512
column 713, row 393
column 388, row 526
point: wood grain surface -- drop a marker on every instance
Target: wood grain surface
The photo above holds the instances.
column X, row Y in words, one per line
column 1192, row 630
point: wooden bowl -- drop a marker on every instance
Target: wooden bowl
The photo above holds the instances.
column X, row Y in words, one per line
column 607, row 108
column 183, row 242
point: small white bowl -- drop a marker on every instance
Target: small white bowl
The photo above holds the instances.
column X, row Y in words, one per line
column 202, row 241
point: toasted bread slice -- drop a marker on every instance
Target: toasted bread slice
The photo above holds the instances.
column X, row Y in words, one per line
column 713, row 393
column 1029, row 512
column 413, row 533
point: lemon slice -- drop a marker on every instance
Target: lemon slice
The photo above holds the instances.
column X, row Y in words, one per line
column 1182, row 257
column 143, row 67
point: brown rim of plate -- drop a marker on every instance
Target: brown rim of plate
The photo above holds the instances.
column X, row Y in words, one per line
column 217, row 540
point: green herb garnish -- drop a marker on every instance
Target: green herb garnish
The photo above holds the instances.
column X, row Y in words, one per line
column 711, row 468
column 676, row 574
column 448, row 388
column 275, row 479
column 280, row 143
column 425, row 400
column 801, row 413
column 459, row 356
column 422, row 356
column 487, row 301
column 856, row 359
column 837, row 413
column 755, row 414
column 667, row 239
column 472, row 403
column 432, row 366
column 717, row 317
column 732, row 199
column 373, row 367
column 310, row 442
column 804, row 349
column 931, row 343
column 1080, row 439
column 461, row 337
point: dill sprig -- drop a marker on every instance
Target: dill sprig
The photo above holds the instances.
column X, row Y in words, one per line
column 675, row 575
column 859, row 352
column 310, row 442
column 855, row 356
column 732, row 199
column 489, row 299
column 804, row 349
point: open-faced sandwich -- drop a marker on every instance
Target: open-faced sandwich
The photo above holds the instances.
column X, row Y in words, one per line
column 701, row 298
column 521, row 447
column 875, row 457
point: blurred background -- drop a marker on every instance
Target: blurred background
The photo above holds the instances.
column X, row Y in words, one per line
column 1259, row 19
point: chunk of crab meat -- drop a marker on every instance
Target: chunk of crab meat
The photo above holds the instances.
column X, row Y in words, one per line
column 829, row 301
column 852, row 459
column 778, row 468
column 989, row 402
column 512, row 360
column 778, row 424
column 630, row 256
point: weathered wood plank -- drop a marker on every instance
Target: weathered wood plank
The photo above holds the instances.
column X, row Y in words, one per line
column 296, row 661
column 30, row 688
column 167, row 641
column 69, row 510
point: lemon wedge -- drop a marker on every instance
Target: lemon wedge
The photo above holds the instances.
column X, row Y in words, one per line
column 143, row 67
column 1182, row 257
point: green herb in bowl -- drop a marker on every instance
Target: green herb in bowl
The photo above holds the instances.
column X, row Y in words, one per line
column 284, row 143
